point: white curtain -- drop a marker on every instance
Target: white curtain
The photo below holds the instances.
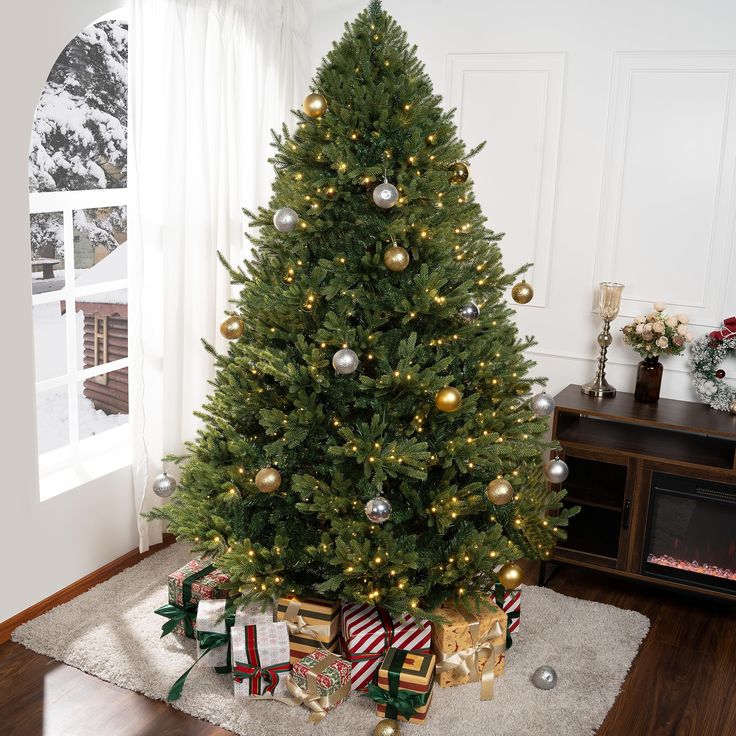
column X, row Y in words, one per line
column 208, row 80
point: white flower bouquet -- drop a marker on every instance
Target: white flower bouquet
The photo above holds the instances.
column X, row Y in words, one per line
column 658, row 334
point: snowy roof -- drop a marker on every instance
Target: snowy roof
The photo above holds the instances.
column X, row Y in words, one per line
column 112, row 267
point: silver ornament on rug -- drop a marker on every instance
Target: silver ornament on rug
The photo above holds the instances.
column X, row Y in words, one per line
column 385, row 195
column 556, row 470
column 285, row 219
column 544, row 677
column 470, row 312
column 542, row 404
column 164, row 485
column 345, row 361
column 378, row 509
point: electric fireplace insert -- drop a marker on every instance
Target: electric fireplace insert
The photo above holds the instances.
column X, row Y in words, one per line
column 691, row 532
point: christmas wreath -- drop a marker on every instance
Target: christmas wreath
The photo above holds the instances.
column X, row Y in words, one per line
column 706, row 354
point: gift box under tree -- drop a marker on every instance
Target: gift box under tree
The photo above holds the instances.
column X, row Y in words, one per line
column 197, row 580
column 321, row 681
column 470, row 646
column 260, row 656
column 314, row 623
column 369, row 631
column 510, row 602
column 403, row 689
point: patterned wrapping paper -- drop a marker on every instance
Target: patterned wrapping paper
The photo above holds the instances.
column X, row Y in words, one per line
column 197, row 580
column 314, row 623
column 321, row 681
column 466, row 642
column 510, row 601
column 260, row 659
column 403, row 689
column 369, row 631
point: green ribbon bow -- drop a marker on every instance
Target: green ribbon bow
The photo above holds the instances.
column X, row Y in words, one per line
column 177, row 615
column 208, row 641
column 396, row 700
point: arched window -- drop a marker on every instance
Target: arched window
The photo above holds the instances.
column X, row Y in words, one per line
column 78, row 195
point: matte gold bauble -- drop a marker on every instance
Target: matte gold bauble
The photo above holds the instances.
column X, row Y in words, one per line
column 232, row 328
column 396, row 258
column 268, row 480
column 315, row 105
column 522, row 293
column 387, row 727
column 459, row 172
column 500, row 491
column 448, row 399
column 510, row 576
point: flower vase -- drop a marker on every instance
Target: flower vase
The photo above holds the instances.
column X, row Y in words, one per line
column 648, row 380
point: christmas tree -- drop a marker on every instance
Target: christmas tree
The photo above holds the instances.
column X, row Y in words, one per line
column 369, row 436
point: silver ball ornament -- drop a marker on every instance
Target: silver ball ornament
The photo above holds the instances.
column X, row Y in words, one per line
column 164, row 485
column 556, row 471
column 470, row 312
column 285, row 219
column 385, row 195
column 732, row 407
column 345, row 361
column 542, row 404
column 378, row 509
column 544, row 677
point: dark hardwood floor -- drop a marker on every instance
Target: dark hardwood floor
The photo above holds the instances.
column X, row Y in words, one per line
column 681, row 684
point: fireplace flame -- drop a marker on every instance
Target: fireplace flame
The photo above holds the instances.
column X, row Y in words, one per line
column 694, row 565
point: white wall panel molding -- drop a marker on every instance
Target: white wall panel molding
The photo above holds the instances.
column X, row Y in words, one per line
column 514, row 102
column 668, row 197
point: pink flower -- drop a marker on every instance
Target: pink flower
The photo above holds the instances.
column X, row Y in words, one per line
column 658, row 327
column 648, row 335
column 639, row 319
column 663, row 342
column 682, row 329
column 671, row 322
column 683, row 318
column 660, row 306
column 639, row 329
column 647, row 329
column 679, row 340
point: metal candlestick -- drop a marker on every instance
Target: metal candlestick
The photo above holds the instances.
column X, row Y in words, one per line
column 608, row 306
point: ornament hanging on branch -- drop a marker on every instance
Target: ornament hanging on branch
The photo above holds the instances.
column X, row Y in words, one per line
column 345, row 361
column 510, row 576
column 542, row 404
column 544, row 677
column 315, row 105
column 448, row 399
column 459, row 172
column 385, row 195
column 285, row 219
column 499, row 491
column 378, row 510
column 232, row 328
column 470, row 312
column 164, row 485
column 396, row 258
column 522, row 293
column 268, row 480
column 556, row 470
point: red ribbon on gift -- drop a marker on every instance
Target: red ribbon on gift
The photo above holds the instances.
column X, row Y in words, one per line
column 388, row 632
column 252, row 669
column 728, row 330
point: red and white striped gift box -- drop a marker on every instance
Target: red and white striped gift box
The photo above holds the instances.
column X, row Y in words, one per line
column 512, row 607
column 368, row 631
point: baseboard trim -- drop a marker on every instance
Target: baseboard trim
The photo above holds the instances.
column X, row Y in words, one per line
column 80, row 586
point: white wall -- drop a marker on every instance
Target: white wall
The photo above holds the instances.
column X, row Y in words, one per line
column 611, row 130
column 51, row 544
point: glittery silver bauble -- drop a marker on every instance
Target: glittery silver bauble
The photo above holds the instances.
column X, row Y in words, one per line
column 164, row 485
column 470, row 312
column 385, row 195
column 344, row 361
column 378, row 509
column 544, row 677
column 556, row 470
column 285, row 219
column 542, row 404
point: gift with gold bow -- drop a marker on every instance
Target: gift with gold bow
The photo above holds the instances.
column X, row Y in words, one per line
column 260, row 656
column 470, row 646
column 314, row 623
column 320, row 681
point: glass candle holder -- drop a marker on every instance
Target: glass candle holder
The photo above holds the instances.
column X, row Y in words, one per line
column 609, row 302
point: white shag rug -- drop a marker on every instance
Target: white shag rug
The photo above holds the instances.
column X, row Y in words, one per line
column 112, row 633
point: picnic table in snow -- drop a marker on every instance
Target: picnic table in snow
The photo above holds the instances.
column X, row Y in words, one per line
column 47, row 266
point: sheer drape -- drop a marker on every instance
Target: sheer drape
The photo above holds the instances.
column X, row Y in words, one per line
column 208, row 80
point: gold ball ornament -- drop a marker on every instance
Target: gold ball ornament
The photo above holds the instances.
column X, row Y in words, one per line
column 315, row 105
column 268, row 480
column 387, row 727
column 732, row 407
column 499, row 491
column 232, row 328
column 396, row 258
column 510, row 576
column 448, row 399
column 522, row 293
column 459, row 172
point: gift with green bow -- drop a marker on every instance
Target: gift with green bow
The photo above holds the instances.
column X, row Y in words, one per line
column 403, row 688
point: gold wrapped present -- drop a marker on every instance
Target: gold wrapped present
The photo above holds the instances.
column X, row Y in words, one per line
column 314, row 623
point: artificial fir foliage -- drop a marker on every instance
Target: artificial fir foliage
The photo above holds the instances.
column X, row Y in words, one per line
column 339, row 440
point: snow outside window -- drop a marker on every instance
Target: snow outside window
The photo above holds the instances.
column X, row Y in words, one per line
column 79, row 272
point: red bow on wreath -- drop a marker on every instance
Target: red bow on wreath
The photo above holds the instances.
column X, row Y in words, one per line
column 728, row 330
